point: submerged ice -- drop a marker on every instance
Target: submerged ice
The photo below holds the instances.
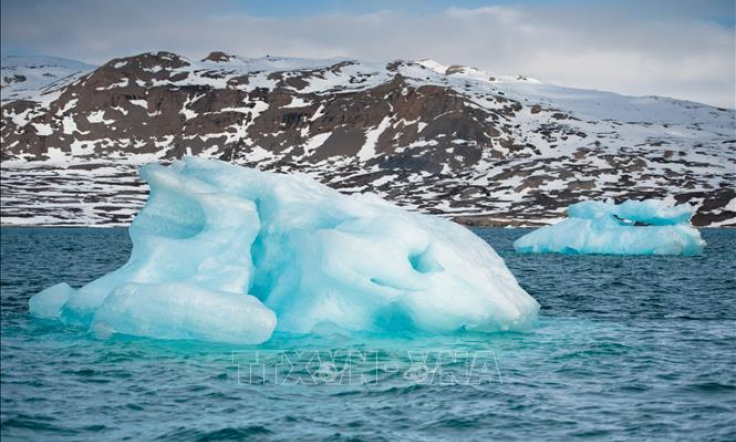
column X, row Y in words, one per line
column 228, row 254
column 649, row 227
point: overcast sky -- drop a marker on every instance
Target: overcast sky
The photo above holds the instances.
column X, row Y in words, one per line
column 683, row 49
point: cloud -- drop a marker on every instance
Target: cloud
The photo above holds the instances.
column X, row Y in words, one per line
column 637, row 48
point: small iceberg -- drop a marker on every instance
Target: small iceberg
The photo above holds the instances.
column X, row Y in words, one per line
column 649, row 227
column 227, row 254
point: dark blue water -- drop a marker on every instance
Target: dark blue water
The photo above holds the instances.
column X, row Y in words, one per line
column 628, row 348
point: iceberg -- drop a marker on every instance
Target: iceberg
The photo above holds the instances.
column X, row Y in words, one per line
column 228, row 254
column 648, row 227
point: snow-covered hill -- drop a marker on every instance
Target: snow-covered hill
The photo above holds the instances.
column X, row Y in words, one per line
column 453, row 140
column 33, row 77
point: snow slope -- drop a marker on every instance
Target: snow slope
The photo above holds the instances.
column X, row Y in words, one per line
column 33, row 77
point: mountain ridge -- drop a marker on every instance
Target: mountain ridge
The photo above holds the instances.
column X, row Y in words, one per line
column 451, row 140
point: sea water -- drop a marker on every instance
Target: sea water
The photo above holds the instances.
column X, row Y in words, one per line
column 627, row 348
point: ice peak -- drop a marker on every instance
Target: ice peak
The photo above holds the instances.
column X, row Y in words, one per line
column 223, row 253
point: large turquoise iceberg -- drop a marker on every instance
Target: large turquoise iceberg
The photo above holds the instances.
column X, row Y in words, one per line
column 649, row 227
column 228, row 254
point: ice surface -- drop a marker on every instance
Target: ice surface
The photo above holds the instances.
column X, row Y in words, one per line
column 223, row 253
column 647, row 227
column 184, row 311
column 48, row 303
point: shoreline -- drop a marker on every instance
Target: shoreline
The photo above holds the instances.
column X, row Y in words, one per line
column 470, row 223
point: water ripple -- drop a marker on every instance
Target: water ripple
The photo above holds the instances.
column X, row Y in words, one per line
column 638, row 348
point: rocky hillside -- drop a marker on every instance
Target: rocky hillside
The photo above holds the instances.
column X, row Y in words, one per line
column 451, row 140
